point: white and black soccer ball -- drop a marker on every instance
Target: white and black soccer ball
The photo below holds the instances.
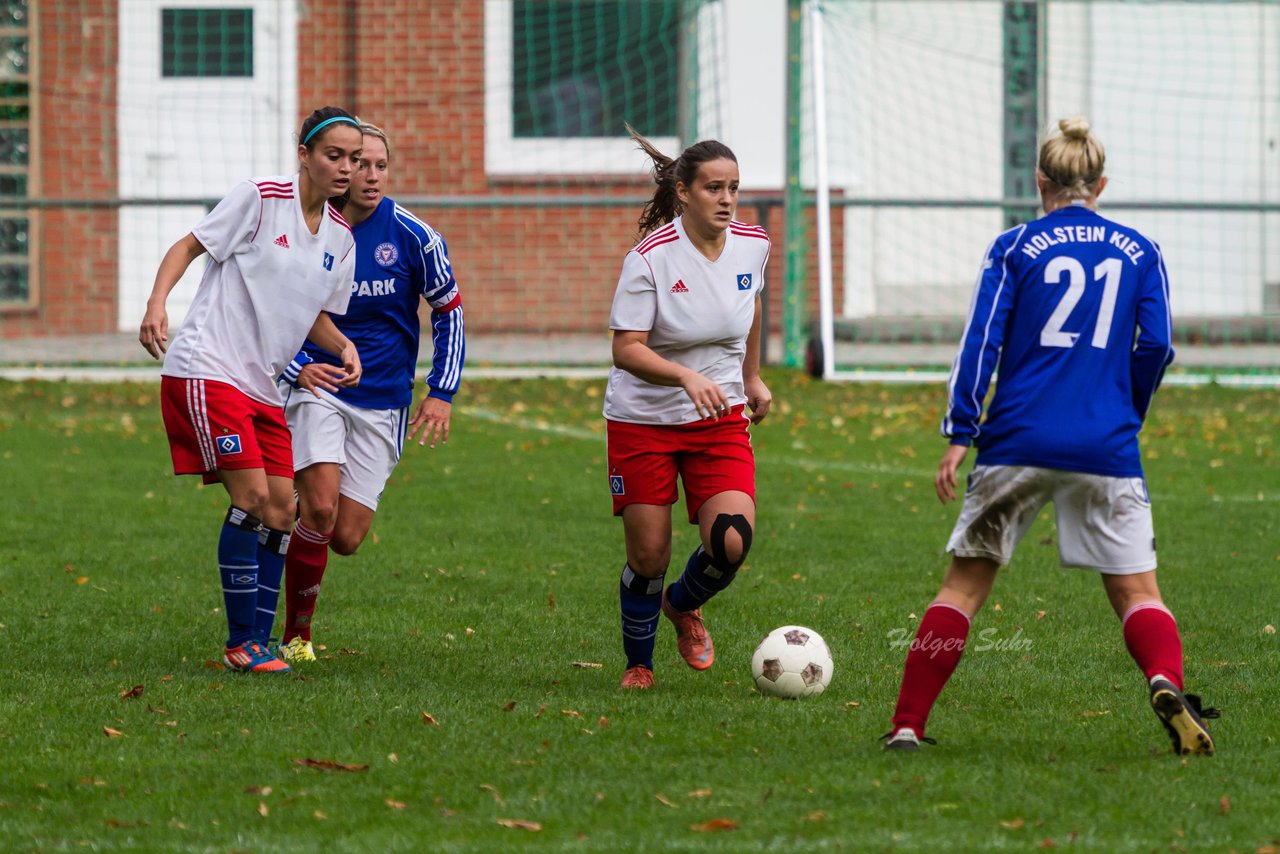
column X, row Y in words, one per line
column 792, row 661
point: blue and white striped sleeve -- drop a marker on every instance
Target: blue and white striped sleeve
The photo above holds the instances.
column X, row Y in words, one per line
column 981, row 342
column 448, row 338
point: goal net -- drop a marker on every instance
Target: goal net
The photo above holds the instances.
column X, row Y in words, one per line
column 933, row 113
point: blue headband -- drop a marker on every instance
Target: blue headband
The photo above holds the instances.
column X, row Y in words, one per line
column 326, row 123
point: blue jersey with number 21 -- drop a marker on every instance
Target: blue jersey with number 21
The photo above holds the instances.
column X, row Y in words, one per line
column 1073, row 310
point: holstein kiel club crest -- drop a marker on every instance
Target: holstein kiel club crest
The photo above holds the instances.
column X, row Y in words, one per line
column 386, row 254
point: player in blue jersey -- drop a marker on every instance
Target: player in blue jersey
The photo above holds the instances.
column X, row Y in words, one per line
column 346, row 443
column 1056, row 309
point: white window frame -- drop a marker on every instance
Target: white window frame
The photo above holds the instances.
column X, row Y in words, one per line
column 505, row 154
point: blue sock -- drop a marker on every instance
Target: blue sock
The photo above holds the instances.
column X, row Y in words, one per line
column 641, row 601
column 238, row 564
column 698, row 583
column 272, row 545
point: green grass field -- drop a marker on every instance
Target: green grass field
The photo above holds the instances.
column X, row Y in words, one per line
column 491, row 576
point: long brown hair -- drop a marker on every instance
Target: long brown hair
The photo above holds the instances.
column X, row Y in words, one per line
column 667, row 172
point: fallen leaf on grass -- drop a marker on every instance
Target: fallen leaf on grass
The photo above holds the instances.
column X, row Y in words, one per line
column 258, row 790
column 1040, row 616
column 1046, row 843
column 602, row 723
column 84, row 579
column 853, row 704
column 551, row 601
column 1224, row 805
column 493, row 790
column 155, row 711
column 319, row 816
column 538, row 713
column 699, row 793
column 594, row 665
column 133, row 693
column 395, row 805
column 520, row 824
column 665, row 802
column 329, row 765
column 429, row 720
column 715, row 824
column 1095, row 714
column 816, row 815
column 1013, row 824
column 262, row 809
column 210, row 664
column 509, row 706
column 111, row 733
column 573, row 713
column 345, row 651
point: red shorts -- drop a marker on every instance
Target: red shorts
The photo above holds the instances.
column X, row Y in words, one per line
column 214, row 425
column 709, row 456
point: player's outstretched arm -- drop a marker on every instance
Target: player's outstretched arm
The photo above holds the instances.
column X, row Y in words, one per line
column 759, row 399
column 327, row 335
column 632, row 353
column 944, row 482
column 153, row 335
column 432, row 418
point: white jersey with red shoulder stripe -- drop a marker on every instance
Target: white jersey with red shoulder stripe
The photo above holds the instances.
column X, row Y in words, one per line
column 697, row 312
column 267, row 281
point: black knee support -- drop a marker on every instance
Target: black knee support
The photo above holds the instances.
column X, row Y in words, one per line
column 638, row 584
column 242, row 519
column 719, row 554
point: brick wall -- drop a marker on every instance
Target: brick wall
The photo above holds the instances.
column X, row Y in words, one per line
column 419, row 73
column 73, row 157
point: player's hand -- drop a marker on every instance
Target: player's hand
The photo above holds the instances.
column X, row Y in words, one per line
column 432, row 417
column 318, row 375
column 351, row 364
column 154, row 332
column 707, row 396
column 758, row 399
column 944, row 482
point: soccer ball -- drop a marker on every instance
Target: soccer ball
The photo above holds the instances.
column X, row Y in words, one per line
column 791, row 662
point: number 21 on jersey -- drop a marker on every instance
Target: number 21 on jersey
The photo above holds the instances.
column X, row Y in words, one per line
column 1107, row 272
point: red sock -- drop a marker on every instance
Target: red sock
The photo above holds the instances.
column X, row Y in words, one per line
column 1151, row 634
column 304, row 565
column 931, row 660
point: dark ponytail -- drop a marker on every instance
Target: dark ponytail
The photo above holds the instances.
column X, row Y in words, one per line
column 665, row 204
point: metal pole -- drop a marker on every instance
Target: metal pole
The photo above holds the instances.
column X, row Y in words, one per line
column 795, row 227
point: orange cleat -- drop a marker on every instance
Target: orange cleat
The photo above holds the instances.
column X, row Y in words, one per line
column 637, row 677
column 691, row 636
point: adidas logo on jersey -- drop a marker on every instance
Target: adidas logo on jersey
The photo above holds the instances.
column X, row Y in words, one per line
column 679, row 288
column 283, row 240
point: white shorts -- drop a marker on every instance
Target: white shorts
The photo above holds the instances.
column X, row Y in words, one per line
column 1104, row 523
column 366, row 443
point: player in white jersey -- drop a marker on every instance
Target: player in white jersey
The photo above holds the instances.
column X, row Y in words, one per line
column 280, row 258
column 1056, row 308
column 686, row 363
column 346, row 443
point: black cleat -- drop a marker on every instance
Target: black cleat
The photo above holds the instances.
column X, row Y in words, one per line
column 1183, row 718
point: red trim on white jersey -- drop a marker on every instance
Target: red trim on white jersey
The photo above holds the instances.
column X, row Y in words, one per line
column 333, row 212
column 666, row 234
column 275, row 190
column 747, row 230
